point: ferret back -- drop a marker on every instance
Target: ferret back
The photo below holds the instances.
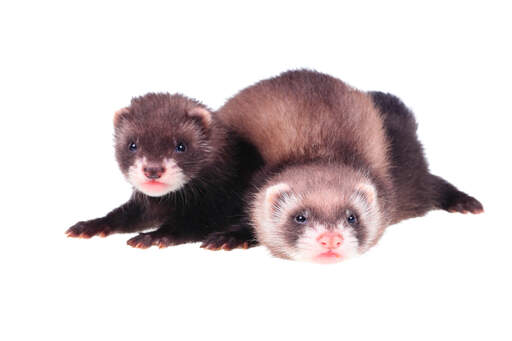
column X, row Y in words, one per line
column 303, row 114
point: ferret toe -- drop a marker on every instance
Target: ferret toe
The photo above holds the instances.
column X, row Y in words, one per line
column 141, row 245
column 163, row 242
column 84, row 236
column 139, row 242
column 211, row 247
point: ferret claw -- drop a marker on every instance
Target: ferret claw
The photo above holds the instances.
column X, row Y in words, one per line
column 226, row 247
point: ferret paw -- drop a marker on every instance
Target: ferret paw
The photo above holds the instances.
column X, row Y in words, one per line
column 464, row 204
column 226, row 241
column 146, row 240
column 88, row 229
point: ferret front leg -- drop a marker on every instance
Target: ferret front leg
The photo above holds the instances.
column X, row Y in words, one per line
column 130, row 217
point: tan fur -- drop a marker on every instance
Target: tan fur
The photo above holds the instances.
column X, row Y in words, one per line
column 300, row 115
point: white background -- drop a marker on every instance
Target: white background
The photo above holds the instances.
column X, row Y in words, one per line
column 66, row 67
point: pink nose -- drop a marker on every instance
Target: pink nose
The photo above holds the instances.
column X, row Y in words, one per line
column 153, row 172
column 330, row 240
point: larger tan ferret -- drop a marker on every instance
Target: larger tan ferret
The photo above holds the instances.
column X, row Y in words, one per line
column 341, row 166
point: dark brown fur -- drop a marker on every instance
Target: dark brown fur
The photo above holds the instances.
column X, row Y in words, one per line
column 418, row 191
column 217, row 162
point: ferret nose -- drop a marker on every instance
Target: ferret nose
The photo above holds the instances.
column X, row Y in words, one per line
column 152, row 172
column 330, row 240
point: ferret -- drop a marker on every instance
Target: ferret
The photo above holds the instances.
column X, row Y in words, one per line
column 340, row 166
column 187, row 170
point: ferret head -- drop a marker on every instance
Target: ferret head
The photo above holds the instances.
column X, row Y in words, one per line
column 317, row 213
column 162, row 142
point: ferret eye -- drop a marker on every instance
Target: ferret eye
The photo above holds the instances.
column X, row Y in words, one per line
column 351, row 219
column 132, row 147
column 300, row 219
column 181, row 147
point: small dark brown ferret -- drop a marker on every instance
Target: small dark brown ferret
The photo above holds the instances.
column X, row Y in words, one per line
column 340, row 166
column 188, row 172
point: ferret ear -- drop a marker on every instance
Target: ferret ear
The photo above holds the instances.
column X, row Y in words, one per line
column 203, row 114
column 119, row 113
column 369, row 192
column 274, row 193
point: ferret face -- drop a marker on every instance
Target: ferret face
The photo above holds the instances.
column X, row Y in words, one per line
column 317, row 215
column 162, row 142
